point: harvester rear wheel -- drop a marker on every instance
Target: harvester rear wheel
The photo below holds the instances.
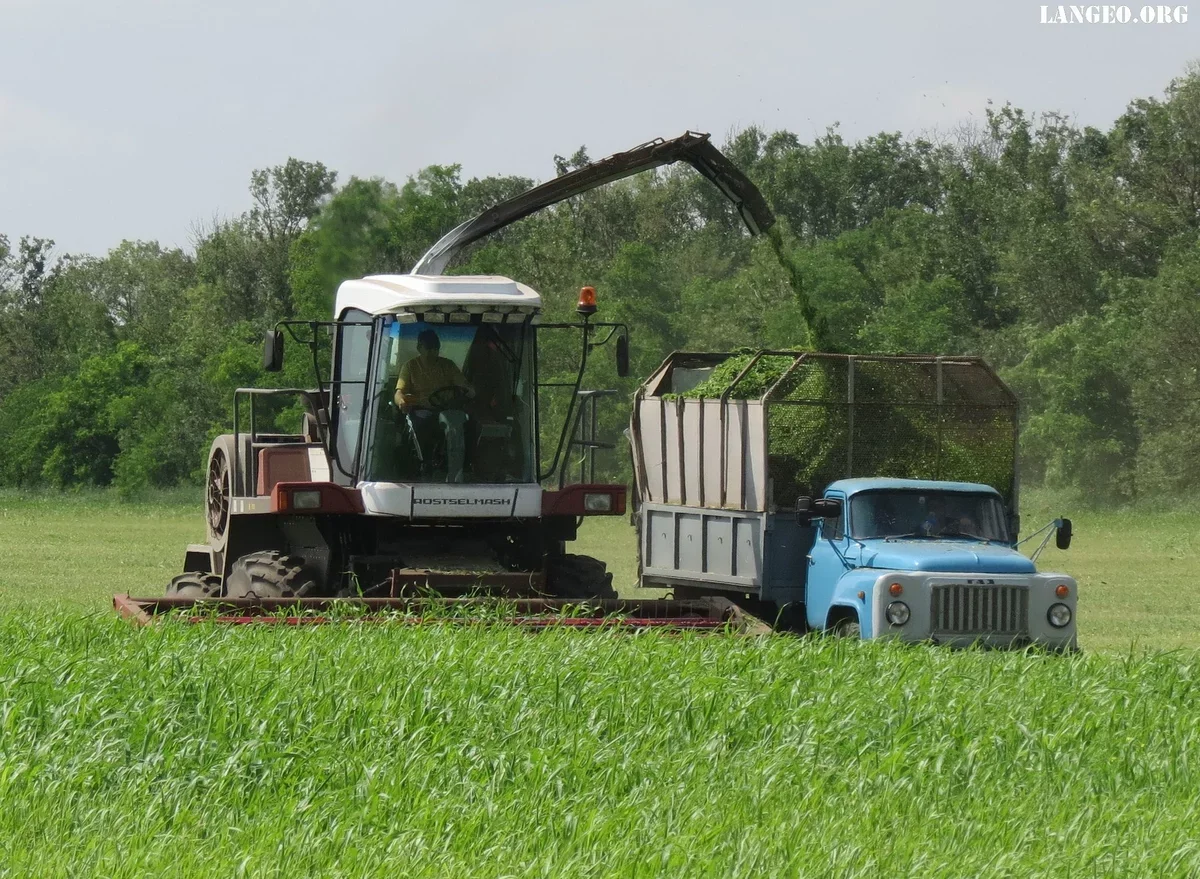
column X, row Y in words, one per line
column 223, row 482
column 194, row 584
column 578, row 576
column 269, row 575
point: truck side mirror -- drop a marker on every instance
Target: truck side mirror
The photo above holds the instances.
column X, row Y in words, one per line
column 827, row 508
column 1014, row 526
column 804, row 505
column 622, row 356
column 1062, row 539
column 273, row 351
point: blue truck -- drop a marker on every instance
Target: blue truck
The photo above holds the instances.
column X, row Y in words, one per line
column 868, row 496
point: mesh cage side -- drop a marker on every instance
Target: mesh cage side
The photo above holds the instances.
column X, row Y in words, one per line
column 972, row 383
column 808, row 426
column 977, row 446
column 889, row 424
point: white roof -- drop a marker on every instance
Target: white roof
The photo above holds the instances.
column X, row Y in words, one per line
column 385, row 294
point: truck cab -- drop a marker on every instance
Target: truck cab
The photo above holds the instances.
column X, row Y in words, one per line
column 918, row 560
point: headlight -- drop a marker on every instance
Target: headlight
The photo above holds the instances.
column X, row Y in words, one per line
column 306, row 500
column 597, row 503
column 1059, row 615
column 897, row 613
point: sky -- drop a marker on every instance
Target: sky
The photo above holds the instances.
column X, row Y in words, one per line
column 142, row 119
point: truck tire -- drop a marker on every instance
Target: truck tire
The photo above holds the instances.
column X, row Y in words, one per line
column 194, row 584
column 847, row 627
column 270, row 575
column 578, row 576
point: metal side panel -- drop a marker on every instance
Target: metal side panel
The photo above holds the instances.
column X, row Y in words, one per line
column 693, row 440
column 693, row 449
column 755, row 455
column 719, row 546
column 735, row 452
column 711, row 465
column 650, row 418
column 692, row 544
column 672, row 452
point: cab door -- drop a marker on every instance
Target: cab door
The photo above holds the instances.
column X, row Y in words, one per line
column 828, row 559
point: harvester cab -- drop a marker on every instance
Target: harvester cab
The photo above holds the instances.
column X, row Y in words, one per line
column 420, row 465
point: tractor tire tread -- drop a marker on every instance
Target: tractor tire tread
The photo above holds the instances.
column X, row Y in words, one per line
column 195, row 584
column 270, row 574
column 579, row 576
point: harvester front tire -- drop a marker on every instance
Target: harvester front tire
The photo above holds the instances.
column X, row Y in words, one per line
column 579, row 576
column 195, row 585
column 269, row 575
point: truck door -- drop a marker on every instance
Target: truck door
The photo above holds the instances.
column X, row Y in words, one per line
column 827, row 561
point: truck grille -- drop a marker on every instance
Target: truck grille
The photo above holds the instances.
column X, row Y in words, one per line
column 959, row 609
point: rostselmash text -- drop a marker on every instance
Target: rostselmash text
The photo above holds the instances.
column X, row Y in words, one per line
column 466, row 501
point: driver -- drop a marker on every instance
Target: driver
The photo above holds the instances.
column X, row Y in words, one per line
column 426, row 373
column 421, row 378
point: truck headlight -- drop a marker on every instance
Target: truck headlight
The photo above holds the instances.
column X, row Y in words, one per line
column 597, row 503
column 897, row 613
column 1059, row 615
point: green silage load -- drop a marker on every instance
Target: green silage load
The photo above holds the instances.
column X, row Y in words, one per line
column 766, row 371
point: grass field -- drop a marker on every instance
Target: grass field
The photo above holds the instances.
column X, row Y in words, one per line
column 358, row 750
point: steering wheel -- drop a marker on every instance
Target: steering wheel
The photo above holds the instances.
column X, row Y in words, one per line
column 447, row 397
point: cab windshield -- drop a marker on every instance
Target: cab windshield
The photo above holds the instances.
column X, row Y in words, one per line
column 928, row 514
column 452, row 403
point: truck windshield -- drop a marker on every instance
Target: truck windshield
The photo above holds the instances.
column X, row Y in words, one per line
column 452, row 403
column 907, row 513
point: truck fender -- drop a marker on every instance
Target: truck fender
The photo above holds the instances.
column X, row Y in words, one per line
column 846, row 598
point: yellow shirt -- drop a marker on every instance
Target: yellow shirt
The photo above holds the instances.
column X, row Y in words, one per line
column 420, row 378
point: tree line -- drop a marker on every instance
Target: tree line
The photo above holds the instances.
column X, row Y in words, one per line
column 1069, row 257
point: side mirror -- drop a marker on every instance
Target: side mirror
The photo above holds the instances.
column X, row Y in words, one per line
column 804, row 505
column 1014, row 526
column 273, row 351
column 1062, row 539
column 622, row 356
column 827, row 508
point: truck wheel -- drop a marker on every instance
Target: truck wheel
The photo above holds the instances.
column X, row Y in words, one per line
column 848, row 627
column 270, row 575
column 194, row 584
column 578, row 576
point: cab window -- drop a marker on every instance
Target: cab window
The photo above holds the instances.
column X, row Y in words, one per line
column 831, row 527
